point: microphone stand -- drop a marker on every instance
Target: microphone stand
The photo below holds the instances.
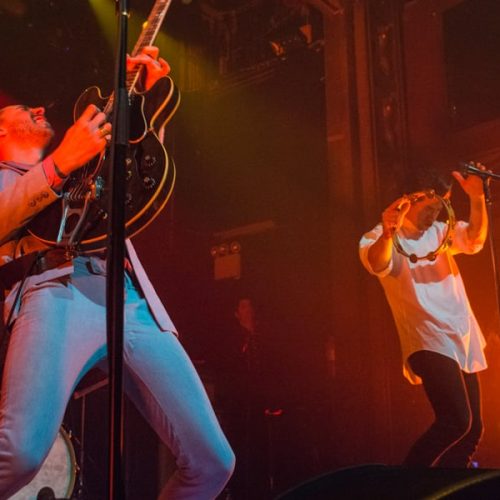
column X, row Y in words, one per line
column 491, row 240
column 485, row 175
column 116, row 258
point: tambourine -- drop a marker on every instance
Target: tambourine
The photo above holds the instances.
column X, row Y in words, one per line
column 448, row 236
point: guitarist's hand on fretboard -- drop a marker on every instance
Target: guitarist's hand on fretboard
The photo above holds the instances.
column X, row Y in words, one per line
column 156, row 67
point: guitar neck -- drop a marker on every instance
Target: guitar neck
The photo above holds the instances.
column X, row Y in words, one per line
column 147, row 37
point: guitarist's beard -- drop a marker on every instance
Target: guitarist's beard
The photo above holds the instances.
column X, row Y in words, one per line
column 32, row 133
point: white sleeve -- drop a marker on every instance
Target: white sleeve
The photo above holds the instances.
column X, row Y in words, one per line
column 461, row 241
column 367, row 240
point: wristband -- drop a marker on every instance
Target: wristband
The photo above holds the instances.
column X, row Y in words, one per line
column 59, row 173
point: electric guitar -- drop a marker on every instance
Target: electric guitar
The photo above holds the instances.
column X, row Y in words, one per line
column 150, row 173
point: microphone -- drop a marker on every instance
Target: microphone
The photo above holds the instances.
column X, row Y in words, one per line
column 469, row 168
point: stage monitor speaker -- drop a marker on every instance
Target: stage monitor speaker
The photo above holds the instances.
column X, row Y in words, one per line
column 382, row 482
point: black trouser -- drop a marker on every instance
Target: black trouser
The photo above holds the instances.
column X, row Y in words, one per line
column 455, row 398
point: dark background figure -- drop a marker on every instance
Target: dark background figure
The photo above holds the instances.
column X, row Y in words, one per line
column 246, row 396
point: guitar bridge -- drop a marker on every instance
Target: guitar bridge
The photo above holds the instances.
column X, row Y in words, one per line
column 66, row 235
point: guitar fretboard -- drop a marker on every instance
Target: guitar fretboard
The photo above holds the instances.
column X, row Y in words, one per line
column 148, row 35
column 149, row 32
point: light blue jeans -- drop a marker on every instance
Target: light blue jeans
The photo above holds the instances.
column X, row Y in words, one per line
column 58, row 335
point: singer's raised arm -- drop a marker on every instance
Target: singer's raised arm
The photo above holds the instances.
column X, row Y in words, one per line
column 473, row 185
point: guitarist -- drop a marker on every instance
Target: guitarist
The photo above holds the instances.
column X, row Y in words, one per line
column 55, row 310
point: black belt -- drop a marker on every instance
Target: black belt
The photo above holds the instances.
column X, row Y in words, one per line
column 32, row 264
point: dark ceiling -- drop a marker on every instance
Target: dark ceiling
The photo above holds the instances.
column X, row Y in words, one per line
column 53, row 49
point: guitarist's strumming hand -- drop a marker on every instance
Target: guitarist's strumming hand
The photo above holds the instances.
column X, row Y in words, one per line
column 156, row 67
column 86, row 138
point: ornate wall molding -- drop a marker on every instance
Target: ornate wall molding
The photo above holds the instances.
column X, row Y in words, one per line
column 388, row 93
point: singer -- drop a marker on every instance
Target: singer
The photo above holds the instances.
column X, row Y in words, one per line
column 441, row 342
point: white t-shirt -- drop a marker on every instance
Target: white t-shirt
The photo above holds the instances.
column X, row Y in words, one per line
column 428, row 298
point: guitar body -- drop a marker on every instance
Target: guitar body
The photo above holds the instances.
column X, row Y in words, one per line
column 81, row 220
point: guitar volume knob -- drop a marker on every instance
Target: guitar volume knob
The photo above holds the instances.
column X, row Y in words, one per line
column 148, row 161
column 149, row 182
